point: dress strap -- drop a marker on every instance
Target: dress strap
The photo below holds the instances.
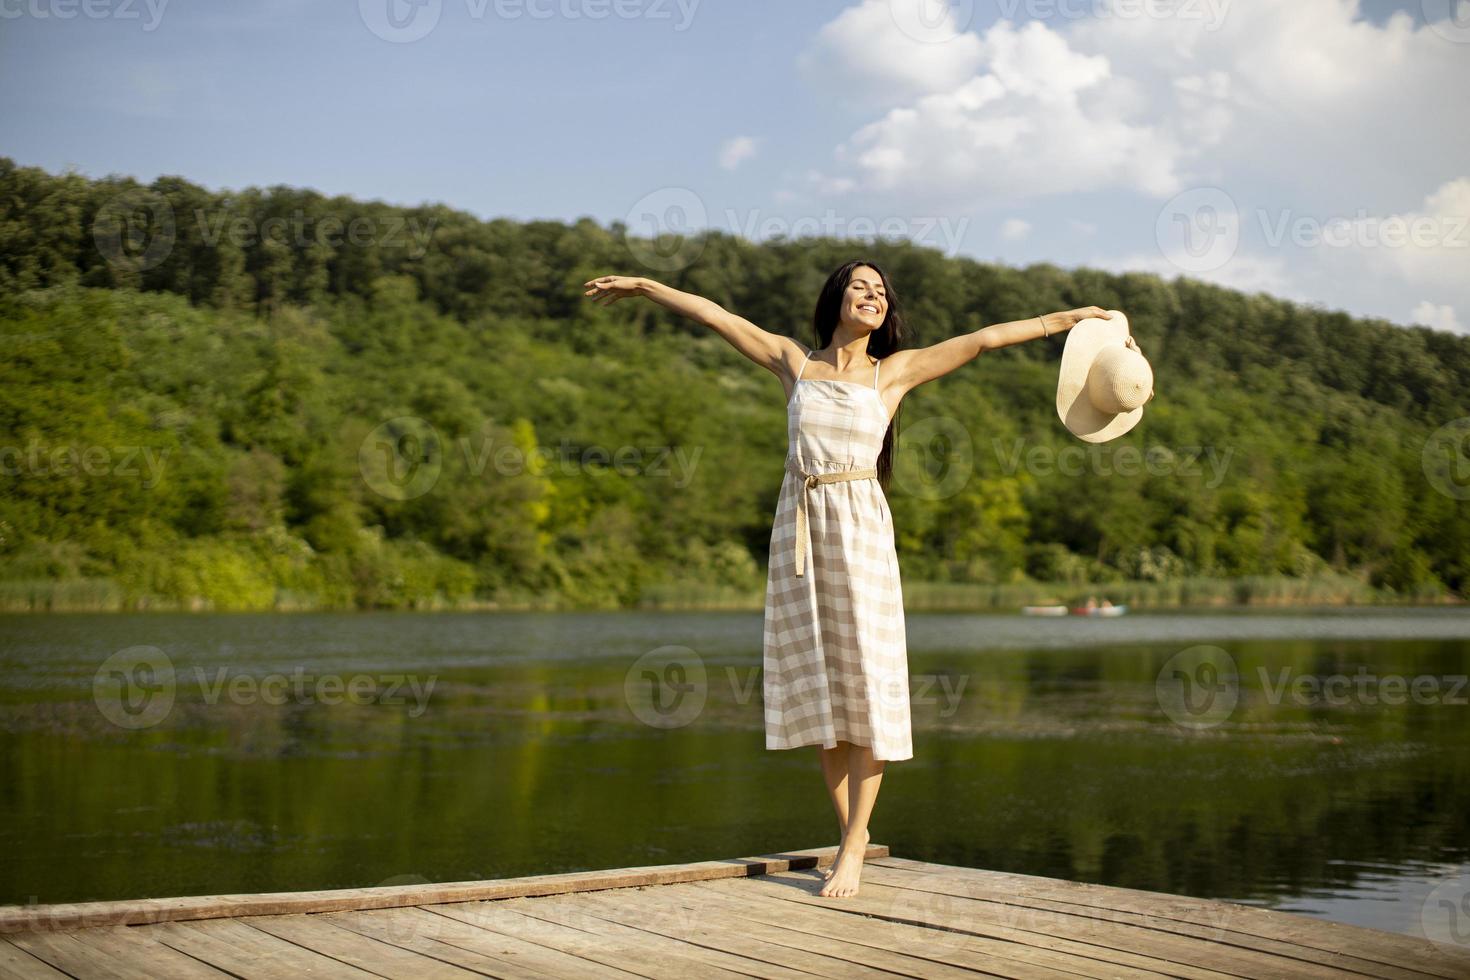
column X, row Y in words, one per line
column 803, row 364
column 876, row 363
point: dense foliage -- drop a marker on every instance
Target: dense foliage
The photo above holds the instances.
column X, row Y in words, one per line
column 274, row 398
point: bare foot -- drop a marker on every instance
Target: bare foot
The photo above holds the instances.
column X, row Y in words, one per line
column 846, row 871
column 827, row 871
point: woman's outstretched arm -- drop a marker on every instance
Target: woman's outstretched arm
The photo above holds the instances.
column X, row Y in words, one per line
column 923, row 364
column 770, row 350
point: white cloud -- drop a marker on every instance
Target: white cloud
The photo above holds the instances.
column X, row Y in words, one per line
column 862, row 54
column 1299, row 106
column 1150, row 104
column 736, row 151
column 1023, row 127
column 1246, row 273
column 1015, row 229
column 1436, row 315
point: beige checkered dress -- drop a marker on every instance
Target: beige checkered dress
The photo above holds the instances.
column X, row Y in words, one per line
column 836, row 656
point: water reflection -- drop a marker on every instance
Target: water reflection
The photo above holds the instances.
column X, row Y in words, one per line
column 1041, row 747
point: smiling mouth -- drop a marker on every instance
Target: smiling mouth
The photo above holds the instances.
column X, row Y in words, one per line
column 869, row 307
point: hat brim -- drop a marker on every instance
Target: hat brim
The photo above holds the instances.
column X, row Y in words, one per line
column 1078, row 414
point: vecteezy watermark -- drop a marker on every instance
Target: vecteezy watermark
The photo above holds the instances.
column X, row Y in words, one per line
column 137, row 688
column 1446, row 459
column 667, row 229
column 37, row 459
column 148, row 12
column 1450, row 19
column 941, row 231
column 1211, row 13
column 138, row 229
column 938, row 21
column 1198, row 230
column 1108, row 460
column 942, row 921
column 666, row 687
column 403, row 926
column 406, row 21
column 1363, row 230
column 938, row 458
column 932, row 21
column 1445, row 914
column 403, row 458
column 300, row 230
column 1198, row 687
column 135, row 231
column 1363, row 687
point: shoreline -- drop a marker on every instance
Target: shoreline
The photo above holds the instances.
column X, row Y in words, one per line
column 1222, row 595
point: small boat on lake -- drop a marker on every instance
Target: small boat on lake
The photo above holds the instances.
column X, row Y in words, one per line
column 1108, row 610
column 1098, row 610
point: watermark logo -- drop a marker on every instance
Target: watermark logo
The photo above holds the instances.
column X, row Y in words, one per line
column 1211, row 12
column 1445, row 914
column 35, row 459
column 932, row 21
column 941, row 458
column 1198, row 688
column 134, row 688
column 667, row 226
column 1363, row 688
column 1199, row 229
column 933, row 920
column 1446, row 459
column 90, row 9
column 942, row 232
column 1450, row 19
column 135, row 231
column 1110, row 459
column 400, row 21
column 401, row 458
column 666, row 687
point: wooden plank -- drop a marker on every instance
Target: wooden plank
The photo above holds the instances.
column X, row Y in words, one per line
column 719, row 927
column 247, row 952
column 60, row 917
column 877, row 938
column 475, row 948
column 538, row 921
column 1354, row 948
column 133, row 945
column 384, row 959
column 961, row 917
column 74, row 958
column 670, row 912
column 782, row 923
column 18, row 963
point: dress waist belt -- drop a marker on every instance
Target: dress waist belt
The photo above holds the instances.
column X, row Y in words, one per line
column 810, row 480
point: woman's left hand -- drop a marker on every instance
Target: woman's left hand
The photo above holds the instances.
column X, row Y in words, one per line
column 1066, row 320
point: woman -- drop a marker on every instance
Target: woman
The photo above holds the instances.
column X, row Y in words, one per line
column 835, row 656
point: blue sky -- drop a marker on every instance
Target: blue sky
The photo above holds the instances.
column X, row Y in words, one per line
column 1263, row 144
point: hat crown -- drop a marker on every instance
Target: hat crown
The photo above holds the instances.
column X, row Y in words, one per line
column 1120, row 380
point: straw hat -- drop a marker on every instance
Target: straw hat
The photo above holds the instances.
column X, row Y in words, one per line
column 1104, row 379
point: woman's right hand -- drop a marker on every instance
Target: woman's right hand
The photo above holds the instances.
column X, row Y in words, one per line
column 609, row 289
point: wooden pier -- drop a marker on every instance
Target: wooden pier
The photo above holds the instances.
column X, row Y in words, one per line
column 746, row 917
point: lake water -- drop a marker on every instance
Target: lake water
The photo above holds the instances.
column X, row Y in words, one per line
column 1317, row 762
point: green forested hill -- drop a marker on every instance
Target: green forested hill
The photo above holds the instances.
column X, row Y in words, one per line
column 273, row 398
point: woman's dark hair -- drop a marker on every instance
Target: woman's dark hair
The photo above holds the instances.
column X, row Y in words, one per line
column 891, row 336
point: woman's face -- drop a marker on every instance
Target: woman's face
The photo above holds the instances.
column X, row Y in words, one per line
column 865, row 303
